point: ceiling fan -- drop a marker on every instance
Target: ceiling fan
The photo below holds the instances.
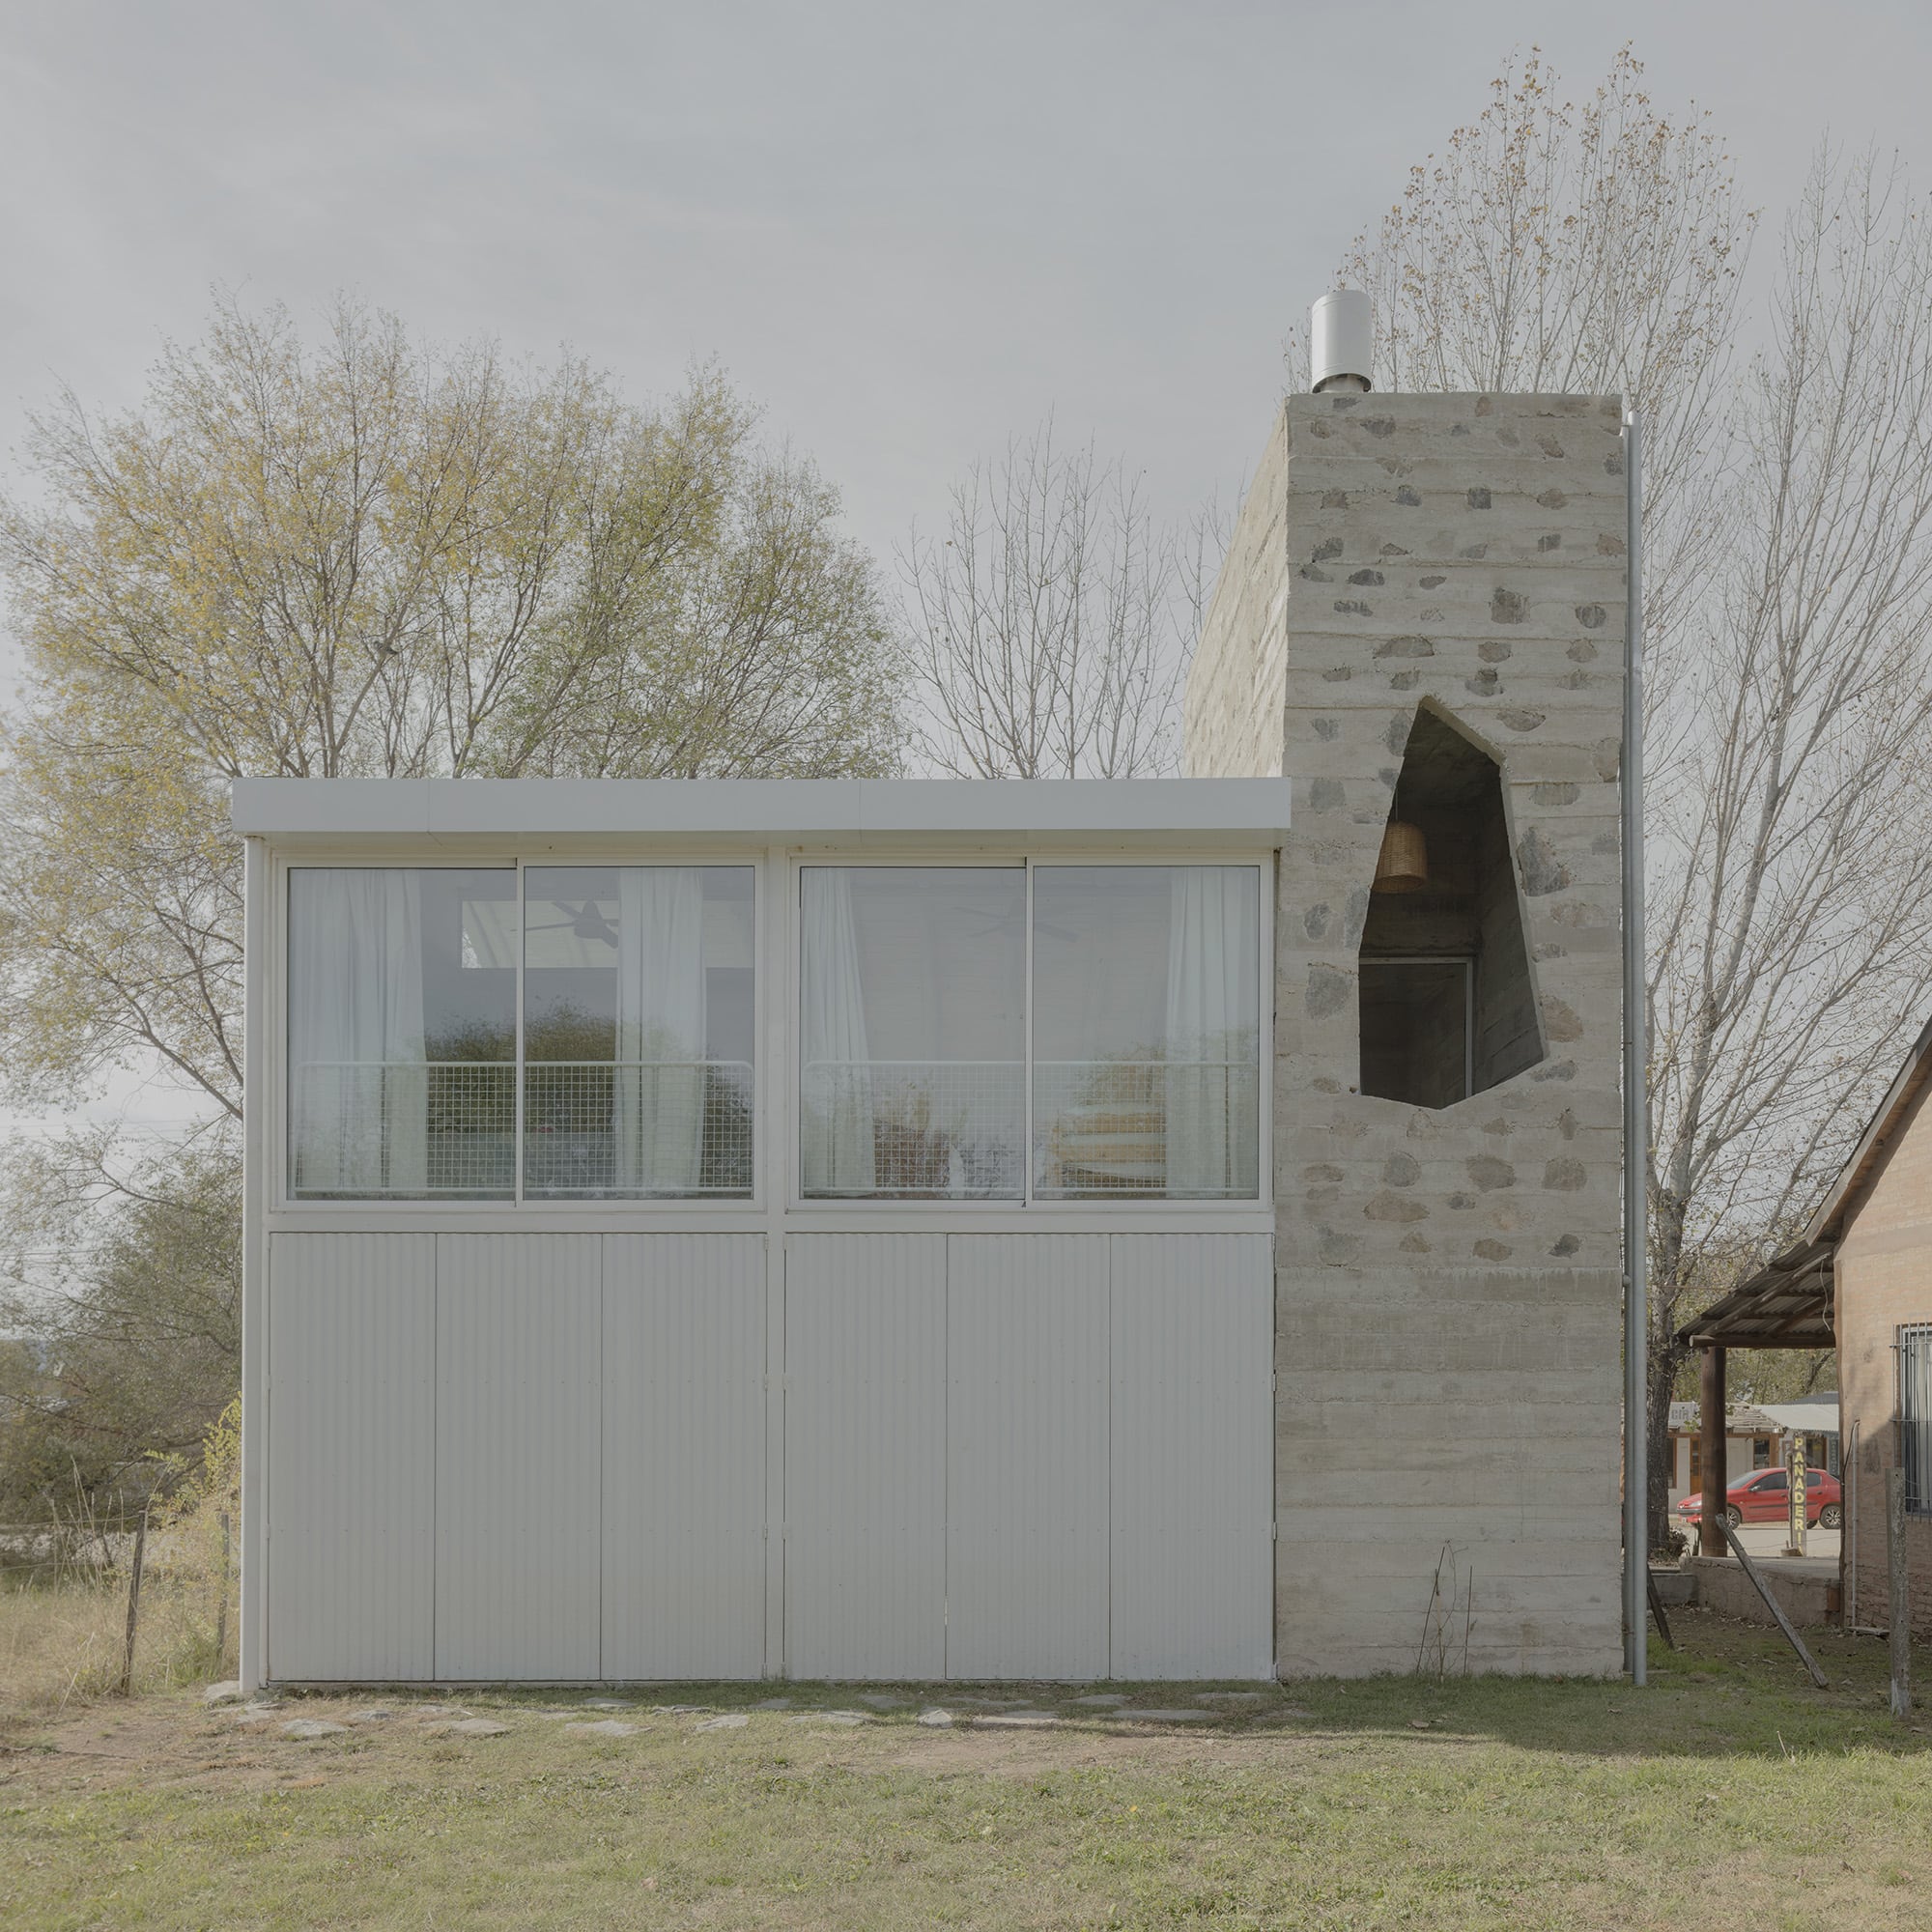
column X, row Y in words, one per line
column 587, row 923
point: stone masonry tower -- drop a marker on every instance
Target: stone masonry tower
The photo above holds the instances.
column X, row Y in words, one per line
column 1420, row 622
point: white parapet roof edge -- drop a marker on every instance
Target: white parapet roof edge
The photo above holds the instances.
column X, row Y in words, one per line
column 1140, row 812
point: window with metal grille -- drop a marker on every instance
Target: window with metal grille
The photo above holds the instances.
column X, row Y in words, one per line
column 1915, row 1416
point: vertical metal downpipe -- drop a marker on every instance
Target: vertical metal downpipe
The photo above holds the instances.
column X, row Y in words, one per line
column 1637, row 1102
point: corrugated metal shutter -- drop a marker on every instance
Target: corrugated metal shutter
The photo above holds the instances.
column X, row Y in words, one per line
column 1026, row 1455
column 1193, row 1329
column 350, row 1462
column 517, row 1448
column 684, row 1455
column 866, row 1455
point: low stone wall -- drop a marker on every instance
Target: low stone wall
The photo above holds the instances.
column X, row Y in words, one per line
column 1806, row 1590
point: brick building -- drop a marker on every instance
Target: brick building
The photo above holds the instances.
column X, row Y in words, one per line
column 1861, row 1277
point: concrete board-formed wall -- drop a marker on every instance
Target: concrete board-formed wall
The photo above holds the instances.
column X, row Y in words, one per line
column 1466, row 553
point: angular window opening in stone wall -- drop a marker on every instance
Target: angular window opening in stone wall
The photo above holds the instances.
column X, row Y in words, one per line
column 1447, row 1000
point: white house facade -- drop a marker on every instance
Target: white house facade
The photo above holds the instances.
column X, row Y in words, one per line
column 920, row 1230
column 728, row 1229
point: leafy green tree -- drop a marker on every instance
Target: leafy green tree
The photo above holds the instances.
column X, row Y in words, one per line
column 338, row 555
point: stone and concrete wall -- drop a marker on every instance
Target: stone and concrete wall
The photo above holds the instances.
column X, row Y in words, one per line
column 1883, row 1282
column 1448, row 1283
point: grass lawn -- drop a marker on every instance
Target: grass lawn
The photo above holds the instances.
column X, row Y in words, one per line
column 1728, row 1795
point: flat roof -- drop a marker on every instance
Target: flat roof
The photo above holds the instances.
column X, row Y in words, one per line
column 1140, row 812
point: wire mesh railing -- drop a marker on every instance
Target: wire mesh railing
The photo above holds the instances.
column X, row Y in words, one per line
column 404, row 1129
column 1174, row 1129
column 683, row 1129
column 1155, row 1127
column 909, row 1129
column 678, row 1128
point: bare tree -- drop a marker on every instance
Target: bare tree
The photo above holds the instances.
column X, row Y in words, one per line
column 1577, row 247
column 1048, row 628
column 1791, row 883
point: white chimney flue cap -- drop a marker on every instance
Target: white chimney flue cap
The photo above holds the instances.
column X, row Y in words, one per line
column 1340, row 341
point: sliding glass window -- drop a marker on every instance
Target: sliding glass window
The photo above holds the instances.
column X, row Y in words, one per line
column 1147, row 1032
column 912, row 1053
column 639, row 1028
column 402, row 1034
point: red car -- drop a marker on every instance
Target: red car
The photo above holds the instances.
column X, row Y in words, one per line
column 1764, row 1495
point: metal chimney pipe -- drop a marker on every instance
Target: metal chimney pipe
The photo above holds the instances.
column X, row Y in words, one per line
column 1342, row 340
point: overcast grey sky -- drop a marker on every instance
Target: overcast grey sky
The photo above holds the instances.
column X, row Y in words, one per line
column 907, row 230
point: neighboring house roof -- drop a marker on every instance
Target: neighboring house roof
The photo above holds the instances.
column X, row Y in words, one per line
column 1685, row 1419
column 1788, row 1303
column 1810, row 1415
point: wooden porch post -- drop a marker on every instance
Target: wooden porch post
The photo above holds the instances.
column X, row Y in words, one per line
column 1711, row 1536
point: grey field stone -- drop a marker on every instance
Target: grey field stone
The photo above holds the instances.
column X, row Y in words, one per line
column 229, row 1692
column 376, row 1714
column 773, row 1704
column 1017, row 1720
column 934, row 1720
column 1175, row 1716
column 303, row 1729
column 881, row 1700
column 479, row 1727
column 604, row 1727
column 440, row 1711
column 606, row 1704
column 845, row 1717
column 1105, row 1698
column 731, row 1720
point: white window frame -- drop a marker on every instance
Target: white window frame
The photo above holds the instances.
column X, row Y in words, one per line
column 777, row 1202
column 1027, row 1208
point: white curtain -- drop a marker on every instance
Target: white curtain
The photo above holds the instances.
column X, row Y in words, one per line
column 659, row 1111
column 355, row 1031
column 1212, row 1012
column 839, row 1152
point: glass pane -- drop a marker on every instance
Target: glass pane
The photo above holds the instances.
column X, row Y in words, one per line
column 637, row 1030
column 912, row 984
column 1147, row 1032
column 1915, row 1416
column 402, row 1034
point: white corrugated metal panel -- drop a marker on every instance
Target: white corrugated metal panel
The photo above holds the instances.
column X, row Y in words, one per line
column 866, row 1455
column 516, row 1428
column 1026, row 1455
column 1193, row 1333
column 351, row 1410
column 684, row 1455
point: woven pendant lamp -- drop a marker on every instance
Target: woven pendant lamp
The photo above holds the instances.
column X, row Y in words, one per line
column 1402, row 866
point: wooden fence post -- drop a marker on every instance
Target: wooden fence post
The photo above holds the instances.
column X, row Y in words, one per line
column 1901, row 1595
column 135, row 1603
column 221, row 1598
